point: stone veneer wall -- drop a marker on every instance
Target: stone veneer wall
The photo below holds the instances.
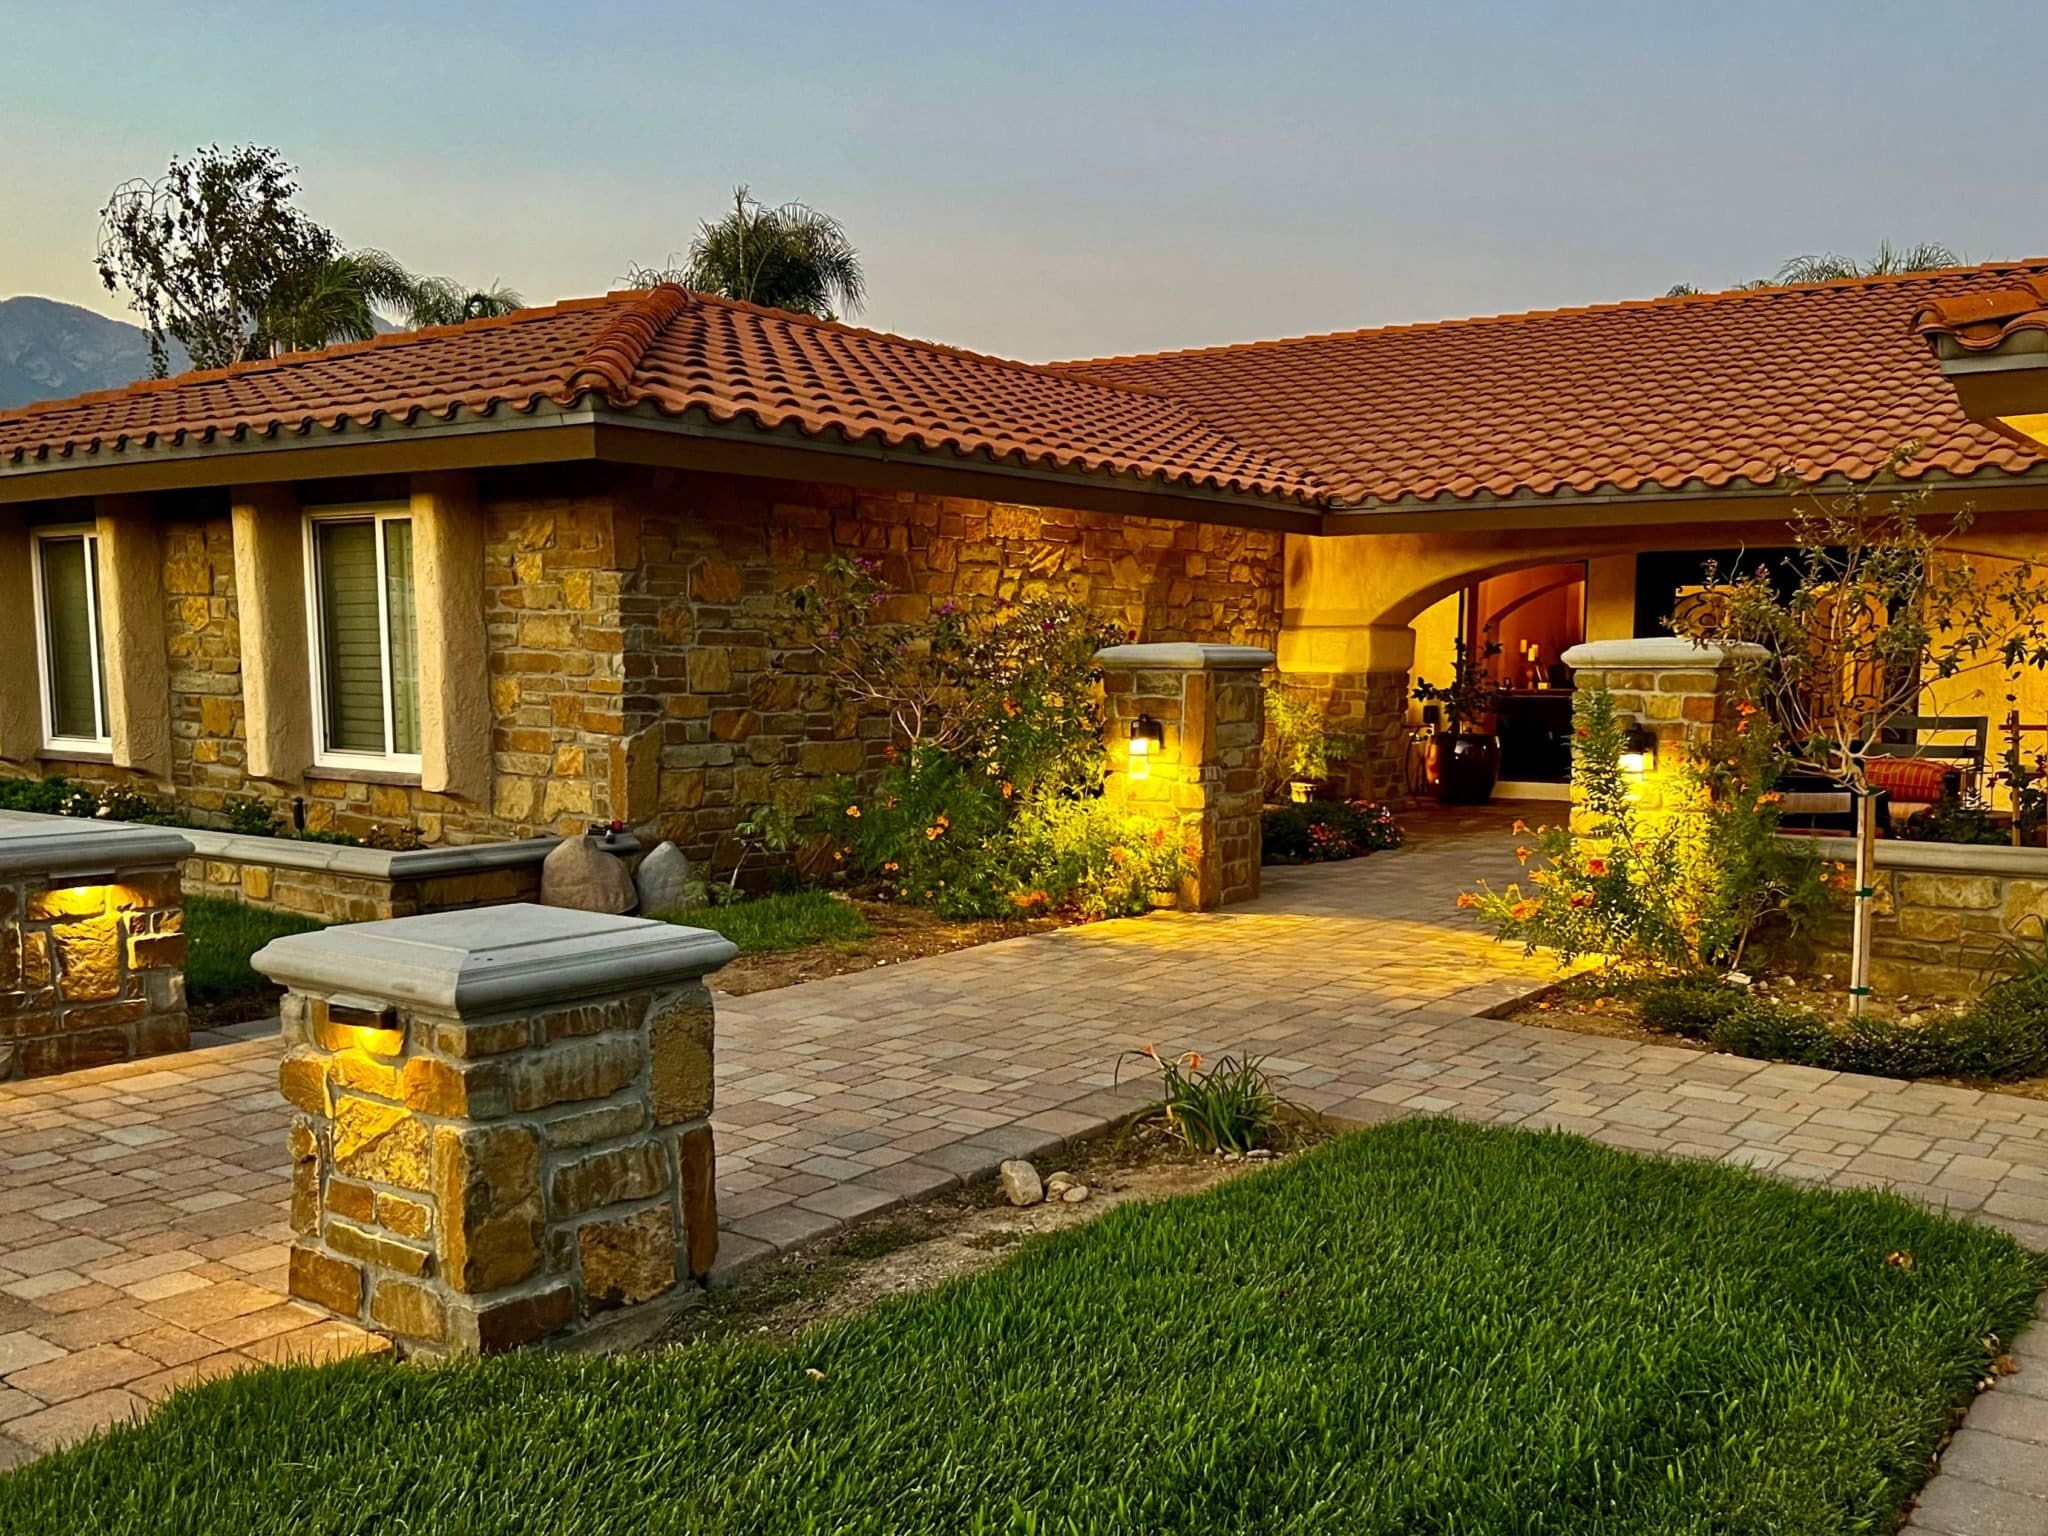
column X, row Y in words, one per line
column 629, row 616
column 1942, row 913
column 91, row 959
column 470, row 1179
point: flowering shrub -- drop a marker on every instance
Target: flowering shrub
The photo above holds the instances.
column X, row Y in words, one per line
column 931, row 833
column 1686, row 887
column 1325, row 830
column 1012, row 693
column 991, row 803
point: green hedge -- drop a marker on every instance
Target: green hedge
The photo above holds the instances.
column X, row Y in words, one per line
column 2001, row 1037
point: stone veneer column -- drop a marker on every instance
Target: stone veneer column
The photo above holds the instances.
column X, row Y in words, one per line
column 503, row 1130
column 1359, row 674
column 1206, row 782
column 1685, row 693
column 92, row 943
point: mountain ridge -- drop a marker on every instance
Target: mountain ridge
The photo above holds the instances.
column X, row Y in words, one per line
column 50, row 350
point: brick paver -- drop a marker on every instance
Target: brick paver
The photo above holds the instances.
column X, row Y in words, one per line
column 142, row 1209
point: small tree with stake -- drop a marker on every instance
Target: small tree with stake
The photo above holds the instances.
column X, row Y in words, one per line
column 1874, row 605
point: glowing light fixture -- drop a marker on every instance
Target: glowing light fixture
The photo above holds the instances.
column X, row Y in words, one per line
column 1148, row 737
column 1638, row 749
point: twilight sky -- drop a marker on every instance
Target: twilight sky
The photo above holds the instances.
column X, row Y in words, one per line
column 1064, row 179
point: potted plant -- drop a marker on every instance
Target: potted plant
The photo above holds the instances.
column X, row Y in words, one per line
column 1467, row 756
column 1301, row 747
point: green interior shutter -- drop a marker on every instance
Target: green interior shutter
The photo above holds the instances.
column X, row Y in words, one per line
column 70, row 646
column 351, row 648
column 405, row 663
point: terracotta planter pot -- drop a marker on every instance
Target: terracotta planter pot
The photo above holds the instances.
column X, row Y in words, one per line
column 1467, row 767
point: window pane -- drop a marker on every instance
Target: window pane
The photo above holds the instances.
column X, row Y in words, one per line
column 351, row 651
column 69, row 642
column 405, row 664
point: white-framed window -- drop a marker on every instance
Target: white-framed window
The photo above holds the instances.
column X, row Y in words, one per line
column 70, row 648
column 363, row 638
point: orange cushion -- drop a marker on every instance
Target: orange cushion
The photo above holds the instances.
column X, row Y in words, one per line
column 1914, row 780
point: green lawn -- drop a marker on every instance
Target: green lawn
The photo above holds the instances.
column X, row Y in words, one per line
column 220, row 936
column 787, row 921
column 1427, row 1327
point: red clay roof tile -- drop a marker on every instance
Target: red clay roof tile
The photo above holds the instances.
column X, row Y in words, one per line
column 1980, row 322
column 1706, row 391
column 674, row 352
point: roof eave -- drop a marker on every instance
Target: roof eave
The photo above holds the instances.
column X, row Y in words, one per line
column 590, row 430
column 1988, row 490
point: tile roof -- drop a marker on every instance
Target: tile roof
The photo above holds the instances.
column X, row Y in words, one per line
column 1982, row 322
column 1700, row 392
column 670, row 352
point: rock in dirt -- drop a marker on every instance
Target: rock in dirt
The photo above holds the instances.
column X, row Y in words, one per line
column 582, row 876
column 1020, row 1182
column 1074, row 1194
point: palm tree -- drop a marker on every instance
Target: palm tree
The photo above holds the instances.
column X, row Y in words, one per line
column 333, row 300
column 1927, row 256
column 792, row 257
column 440, row 301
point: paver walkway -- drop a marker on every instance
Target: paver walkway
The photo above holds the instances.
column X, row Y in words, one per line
column 142, row 1209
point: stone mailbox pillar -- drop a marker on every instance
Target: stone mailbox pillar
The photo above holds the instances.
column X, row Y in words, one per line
column 503, row 1130
column 1202, row 777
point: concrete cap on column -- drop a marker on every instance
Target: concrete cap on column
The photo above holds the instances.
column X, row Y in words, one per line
column 1188, row 655
column 1657, row 651
column 75, row 847
column 492, row 959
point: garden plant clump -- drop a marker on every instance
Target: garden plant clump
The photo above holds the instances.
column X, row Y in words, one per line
column 1323, row 830
column 990, row 803
column 2001, row 1037
column 1228, row 1106
column 1424, row 1327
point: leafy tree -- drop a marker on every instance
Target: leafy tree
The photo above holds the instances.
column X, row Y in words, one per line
column 1874, row 604
column 792, row 257
column 206, row 249
column 214, row 255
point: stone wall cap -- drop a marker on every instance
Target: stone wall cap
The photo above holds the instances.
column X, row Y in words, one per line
column 383, row 863
column 492, row 960
column 74, row 846
column 1658, row 651
column 1187, row 655
column 1910, row 856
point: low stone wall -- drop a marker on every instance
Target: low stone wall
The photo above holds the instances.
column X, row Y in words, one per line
column 339, row 884
column 503, row 1129
column 1942, row 913
column 92, row 944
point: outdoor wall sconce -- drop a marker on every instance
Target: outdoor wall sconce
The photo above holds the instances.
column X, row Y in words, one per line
column 1638, row 749
column 1148, row 736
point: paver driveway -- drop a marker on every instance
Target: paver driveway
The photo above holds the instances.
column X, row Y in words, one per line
column 142, row 1209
